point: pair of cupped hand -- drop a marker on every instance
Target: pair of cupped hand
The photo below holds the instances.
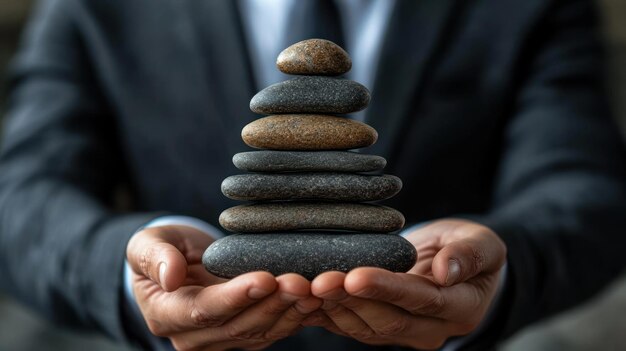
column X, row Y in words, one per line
column 446, row 293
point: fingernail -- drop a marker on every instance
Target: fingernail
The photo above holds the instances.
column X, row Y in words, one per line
column 256, row 293
column 162, row 268
column 454, row 270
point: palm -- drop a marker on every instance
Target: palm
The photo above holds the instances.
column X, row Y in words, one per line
column 192, row 247
column 426, row 248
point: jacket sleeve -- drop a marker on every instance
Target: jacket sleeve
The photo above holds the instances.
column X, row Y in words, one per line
column 559, row 199
column 61, row 247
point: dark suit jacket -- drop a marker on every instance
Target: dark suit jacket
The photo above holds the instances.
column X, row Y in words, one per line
column 489, row 109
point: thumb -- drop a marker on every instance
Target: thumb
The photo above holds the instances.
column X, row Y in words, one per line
column 481, row 251
column 157, row 256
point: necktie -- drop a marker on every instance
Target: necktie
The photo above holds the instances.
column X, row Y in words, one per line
column 314, row 19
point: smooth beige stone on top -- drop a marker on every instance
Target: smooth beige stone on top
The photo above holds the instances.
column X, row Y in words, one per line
column 308, row 132
column 314, row 57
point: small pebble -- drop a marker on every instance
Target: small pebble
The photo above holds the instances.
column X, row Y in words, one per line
column 314, row 57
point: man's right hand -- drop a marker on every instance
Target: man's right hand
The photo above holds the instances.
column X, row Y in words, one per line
column 196, row 310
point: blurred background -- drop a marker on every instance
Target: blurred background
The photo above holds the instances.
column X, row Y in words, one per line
column 596, row 325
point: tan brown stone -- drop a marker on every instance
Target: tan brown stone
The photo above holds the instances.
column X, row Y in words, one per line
column 314, row 57
column 285, row 216
column 308, row 132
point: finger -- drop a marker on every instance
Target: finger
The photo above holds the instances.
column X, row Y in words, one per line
column 256, row 322
column 191, row 308
column 303, row 305
column 390, row 322
column 320, row 319
column 291, row 321
column 415, row 294
column 360, row 318
column 328, row 285
column 317, row 319
column 461, row 303
column 348, row 322
column 158, row 260
column 383, row 318
column 460, row 260
column 161, row 254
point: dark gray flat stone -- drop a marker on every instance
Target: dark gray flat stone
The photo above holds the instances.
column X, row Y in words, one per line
column 307, row 254
column 311, row 95
column 311, row 186
column 319, row 161
column 290, row 216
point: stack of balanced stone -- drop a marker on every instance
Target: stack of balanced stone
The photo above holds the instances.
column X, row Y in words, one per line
column 310, row 210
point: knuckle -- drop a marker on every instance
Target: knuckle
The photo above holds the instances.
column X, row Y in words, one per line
column 145, row 261
column 433, row 306
column 204, row 319
column 235, row 332
column 293, row 316
column 478, row 260
column 273, row 309
column 234, row 301
column 395, row 295
column 395, row 327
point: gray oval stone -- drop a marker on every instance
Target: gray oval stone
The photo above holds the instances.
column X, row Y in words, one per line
column 290, row 216
column 307, row 161
column 311, row 186
column 312, row 94
column 307, row 254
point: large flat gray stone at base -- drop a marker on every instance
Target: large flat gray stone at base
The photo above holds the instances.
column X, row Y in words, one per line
column 308, row 254
column 307, row 161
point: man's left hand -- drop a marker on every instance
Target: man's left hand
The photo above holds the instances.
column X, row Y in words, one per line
column 447, row 293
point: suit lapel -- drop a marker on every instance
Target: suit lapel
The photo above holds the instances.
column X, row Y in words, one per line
column 412, row 38
column 228, row 75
